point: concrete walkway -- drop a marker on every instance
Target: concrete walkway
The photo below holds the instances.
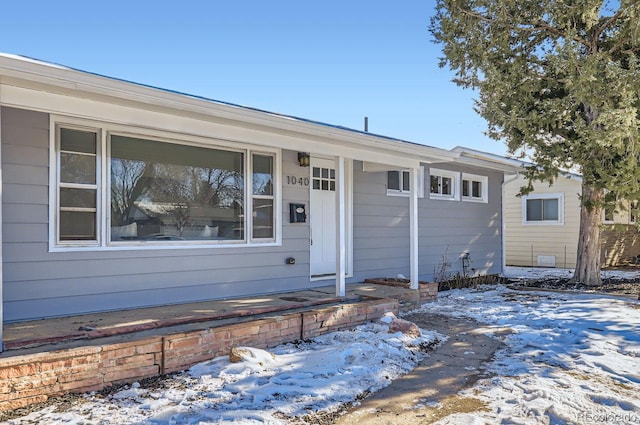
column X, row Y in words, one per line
column 429, row 392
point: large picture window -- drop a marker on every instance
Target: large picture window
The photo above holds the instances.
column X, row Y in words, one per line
column 164, row 191
column 160, row 192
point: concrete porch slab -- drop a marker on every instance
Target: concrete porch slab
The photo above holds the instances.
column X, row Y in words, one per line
column 94, row 351
column 40, row 333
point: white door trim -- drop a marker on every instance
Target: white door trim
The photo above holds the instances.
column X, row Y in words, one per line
column 348, row 216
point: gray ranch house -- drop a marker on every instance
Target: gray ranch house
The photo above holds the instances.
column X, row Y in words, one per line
column 118, row 195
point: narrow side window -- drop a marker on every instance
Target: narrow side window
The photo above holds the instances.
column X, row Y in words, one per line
column 77, row 185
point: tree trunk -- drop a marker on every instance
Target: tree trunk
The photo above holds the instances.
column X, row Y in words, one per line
column 588, row 258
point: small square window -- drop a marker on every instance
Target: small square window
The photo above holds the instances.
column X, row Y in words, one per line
column 443, row 184
column 399, row 183
column 474, row 187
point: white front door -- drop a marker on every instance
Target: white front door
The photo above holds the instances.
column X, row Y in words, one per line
column 322, row 217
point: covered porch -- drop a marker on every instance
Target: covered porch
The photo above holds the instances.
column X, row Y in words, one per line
column 49, row 357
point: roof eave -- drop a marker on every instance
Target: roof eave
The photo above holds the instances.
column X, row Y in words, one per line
column 20, row 68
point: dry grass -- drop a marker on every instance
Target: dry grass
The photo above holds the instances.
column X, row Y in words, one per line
column 450, row 406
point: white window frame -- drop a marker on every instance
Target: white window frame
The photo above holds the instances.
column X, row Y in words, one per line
column 54, row 188
column 559, row 196
column 104, row 130
column 484, row 188
column 455, row 184
column 402, row 191
column 251, row 196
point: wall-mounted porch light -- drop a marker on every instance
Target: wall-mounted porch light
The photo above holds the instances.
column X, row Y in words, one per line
column 303, row 159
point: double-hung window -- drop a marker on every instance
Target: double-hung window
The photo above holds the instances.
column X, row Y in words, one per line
column 77, row 195
column 545, row 208
column 399, row 183
column 262, row 195
column 115, row 188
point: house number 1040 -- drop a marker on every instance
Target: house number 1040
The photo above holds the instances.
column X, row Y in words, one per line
column 298, row 181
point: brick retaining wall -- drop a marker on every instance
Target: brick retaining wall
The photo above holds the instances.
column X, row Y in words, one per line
column 33, row 378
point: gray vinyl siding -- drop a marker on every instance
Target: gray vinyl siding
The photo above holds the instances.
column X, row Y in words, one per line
column 39, row 283
column 447, row 229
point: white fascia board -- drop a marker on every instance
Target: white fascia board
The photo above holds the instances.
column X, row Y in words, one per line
column 70, row 82
column 488, row 160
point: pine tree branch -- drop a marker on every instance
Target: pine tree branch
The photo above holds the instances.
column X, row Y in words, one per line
column 535, row 26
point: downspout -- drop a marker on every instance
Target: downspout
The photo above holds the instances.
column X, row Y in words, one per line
column 502, row 219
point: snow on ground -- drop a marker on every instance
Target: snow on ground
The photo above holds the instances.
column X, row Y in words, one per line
column 548, row 273
column 290, row 380
column 570, row 359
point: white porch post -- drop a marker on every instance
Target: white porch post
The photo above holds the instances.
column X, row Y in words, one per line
column 341, row 234
column 413, row 226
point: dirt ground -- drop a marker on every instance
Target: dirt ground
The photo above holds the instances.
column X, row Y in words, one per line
column 611, row 286
column 430, row 391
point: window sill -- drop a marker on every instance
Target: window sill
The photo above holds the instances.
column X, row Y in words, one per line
column 158, row 247
column 443, row 197
column 475, row 200
column 401, row 194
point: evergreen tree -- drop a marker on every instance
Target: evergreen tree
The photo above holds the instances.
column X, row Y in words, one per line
column 559, row 82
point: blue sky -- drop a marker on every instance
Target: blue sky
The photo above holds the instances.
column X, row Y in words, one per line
column 330, row 61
